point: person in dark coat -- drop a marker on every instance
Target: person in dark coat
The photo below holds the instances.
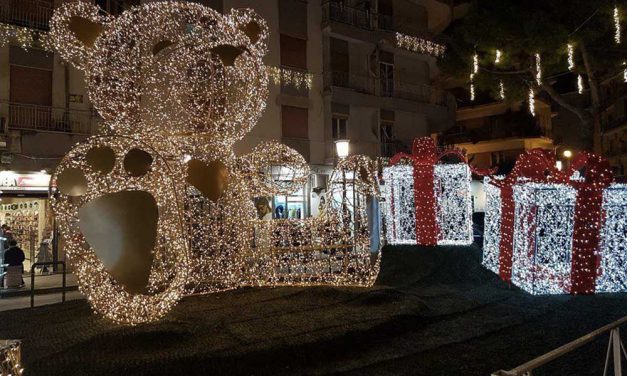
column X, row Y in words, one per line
column 14, row 256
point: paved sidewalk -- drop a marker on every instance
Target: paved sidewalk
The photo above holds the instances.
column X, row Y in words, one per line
column 48, row 291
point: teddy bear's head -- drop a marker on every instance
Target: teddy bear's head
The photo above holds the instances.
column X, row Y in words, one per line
column 169, row 67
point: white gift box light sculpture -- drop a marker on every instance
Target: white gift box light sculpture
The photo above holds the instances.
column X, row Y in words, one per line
column 567, row 232
column 427, row 202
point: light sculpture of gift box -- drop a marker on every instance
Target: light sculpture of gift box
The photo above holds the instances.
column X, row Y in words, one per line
column 428, row 202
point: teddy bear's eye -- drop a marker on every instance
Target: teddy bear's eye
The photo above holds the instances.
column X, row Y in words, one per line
column 227, row 53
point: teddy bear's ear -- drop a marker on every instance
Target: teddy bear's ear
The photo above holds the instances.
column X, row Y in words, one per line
column 74, row 28
column 253, row 27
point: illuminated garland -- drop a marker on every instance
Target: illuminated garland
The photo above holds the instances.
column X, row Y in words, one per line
column 492, row 226
column 580, row 87
column 10, row 358
column 284, row 75
column 25, row 37
column 532, row 102
column 571, row 56
column 416, row 44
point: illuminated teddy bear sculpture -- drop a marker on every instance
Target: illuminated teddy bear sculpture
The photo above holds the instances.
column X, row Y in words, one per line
column 158, row 204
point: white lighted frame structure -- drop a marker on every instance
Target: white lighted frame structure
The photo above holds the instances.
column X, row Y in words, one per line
column 543, row 233
column 453, row 204
column 492, row 224
column 613, row 270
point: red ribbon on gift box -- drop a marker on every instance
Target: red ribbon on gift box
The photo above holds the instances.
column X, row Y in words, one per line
column 424, row 157
column 536, row 165
column 596, row 175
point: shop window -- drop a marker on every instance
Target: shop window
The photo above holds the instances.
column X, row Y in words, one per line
column 294, row 122
column 338, row 128
column 293, row 52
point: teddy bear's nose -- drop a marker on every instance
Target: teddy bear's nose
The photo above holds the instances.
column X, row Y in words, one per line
column 227, row 53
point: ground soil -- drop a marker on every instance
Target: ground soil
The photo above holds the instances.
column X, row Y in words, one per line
column 433, row 311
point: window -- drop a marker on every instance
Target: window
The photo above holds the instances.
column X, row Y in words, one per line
column 294, row 122
column 338, row 128
column 293, row 52
column 386, row 73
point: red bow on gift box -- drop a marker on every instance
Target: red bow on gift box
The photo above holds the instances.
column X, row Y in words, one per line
column 424, row 157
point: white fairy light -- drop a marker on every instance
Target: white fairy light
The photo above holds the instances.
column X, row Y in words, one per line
column 501, row 90
column 617, row 29
column 571, row 56
column 613, row 268
column 287, row 76
column 416, row 44
column 543, row 230
column 532, row 102
column 497, row 58
column 453, row 204
column 625, row 71
column 580, row 84
column 472, row 87
column 475, row 63
column 538, row 69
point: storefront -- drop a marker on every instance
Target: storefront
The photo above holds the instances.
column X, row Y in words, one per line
column 25, row 208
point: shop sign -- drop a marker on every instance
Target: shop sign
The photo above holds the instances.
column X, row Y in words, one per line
column 30, row 181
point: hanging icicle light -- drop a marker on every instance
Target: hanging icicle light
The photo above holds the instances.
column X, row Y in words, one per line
column 616, row 25
column 625, row 71
column 532, row 102
column 538, row 69
column 501, row 90
column 571, row 56
column 472, row 87
column 475, row 63
column 497, row 59
column 579, row 84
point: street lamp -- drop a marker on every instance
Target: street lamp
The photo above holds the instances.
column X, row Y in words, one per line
column 567, row 153
column 341, row 146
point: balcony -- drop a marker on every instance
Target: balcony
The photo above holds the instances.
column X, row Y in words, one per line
column 386, row 88
column 496, row 128
column 338, row 12
column 34, row 14
column 50, row 119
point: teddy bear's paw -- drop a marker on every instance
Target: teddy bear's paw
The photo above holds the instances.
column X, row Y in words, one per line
column 116, row 202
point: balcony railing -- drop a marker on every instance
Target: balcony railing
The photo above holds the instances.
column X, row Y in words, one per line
column 29, row 13
column 338, row 12
column 50, row 119
column 386, row 88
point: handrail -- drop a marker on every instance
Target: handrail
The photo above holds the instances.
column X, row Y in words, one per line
column 32, row 279
column 526, row 368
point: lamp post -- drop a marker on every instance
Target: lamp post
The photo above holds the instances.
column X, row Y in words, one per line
column 342, row 147
column 567, row 154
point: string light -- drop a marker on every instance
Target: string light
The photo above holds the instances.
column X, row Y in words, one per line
column 538, row 69
column 475, row 63
column 497, row 58
column 25, row 37
column 472, row 87
column 284, row 75
column 579, row 84
column 416, row 44
column 625, row 71
column 492, row 227
column 617, row 29
column 10, row 358
column 532, row 102
column 177, row 85
column 501, row 90
column 613, row 267
column 571, row 56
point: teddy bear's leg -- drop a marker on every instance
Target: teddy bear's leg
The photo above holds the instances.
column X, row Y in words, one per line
column 119, row 206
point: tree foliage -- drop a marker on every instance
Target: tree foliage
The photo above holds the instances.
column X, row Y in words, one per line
column 520, row 29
